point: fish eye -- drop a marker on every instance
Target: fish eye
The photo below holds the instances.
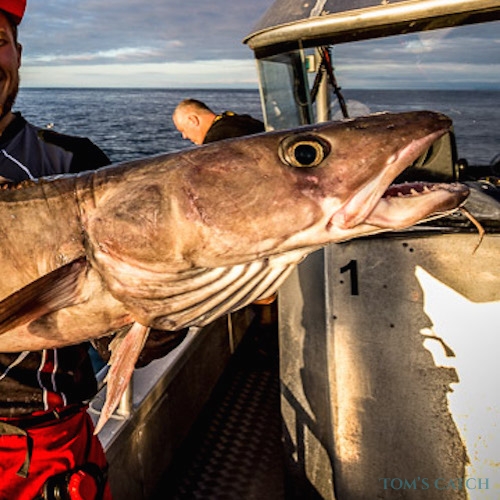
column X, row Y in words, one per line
column 303, row 151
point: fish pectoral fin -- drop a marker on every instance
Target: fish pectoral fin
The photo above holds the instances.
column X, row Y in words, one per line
column 125, row 351
column 56, row 290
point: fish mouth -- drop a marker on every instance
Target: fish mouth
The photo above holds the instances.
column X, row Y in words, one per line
column 403, row 205
column 398, row 206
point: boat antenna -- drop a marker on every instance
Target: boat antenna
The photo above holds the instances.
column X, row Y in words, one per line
column 326, row 66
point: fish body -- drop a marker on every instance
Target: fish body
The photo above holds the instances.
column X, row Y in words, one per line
column 180, row 239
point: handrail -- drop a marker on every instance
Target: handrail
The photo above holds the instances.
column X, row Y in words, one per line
column 125, row 406
column 101, row 377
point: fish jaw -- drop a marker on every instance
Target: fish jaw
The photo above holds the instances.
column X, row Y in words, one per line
column 404, row 205
column 358, row 209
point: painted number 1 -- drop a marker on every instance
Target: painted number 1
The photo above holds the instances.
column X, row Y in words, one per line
column 352, row 267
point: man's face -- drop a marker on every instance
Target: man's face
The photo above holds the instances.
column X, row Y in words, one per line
column 189, row 126
column 10, row 61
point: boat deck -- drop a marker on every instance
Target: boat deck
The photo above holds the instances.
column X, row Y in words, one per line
column 234, row 450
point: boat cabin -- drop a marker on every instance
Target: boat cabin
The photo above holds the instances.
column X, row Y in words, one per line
column 387, row 387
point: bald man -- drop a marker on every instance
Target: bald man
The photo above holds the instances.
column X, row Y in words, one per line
column 198, row 123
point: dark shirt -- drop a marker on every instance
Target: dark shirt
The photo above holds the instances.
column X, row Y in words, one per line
column 230, row 125
column 41, row 380
column 29, row 152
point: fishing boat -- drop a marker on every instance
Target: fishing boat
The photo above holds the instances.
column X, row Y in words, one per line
column 388, row 344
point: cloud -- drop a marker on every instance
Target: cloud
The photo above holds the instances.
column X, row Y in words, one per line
column 171, row 31
column 116, row 55
column 461, row 56
column 117, row 42
column 88, row 41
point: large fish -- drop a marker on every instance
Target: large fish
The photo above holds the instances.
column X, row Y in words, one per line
column 181, row 239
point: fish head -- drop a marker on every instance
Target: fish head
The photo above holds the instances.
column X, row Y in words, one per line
column 182, row 238
column 318, row 184
column 244, row 199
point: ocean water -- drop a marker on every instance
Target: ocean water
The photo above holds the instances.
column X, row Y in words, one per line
column 132, row 123
column 125, row 123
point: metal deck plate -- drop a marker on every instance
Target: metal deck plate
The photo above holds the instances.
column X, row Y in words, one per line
column 234, row 451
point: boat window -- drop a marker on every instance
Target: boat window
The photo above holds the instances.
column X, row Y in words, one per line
column 284, row 91
column 455, row 71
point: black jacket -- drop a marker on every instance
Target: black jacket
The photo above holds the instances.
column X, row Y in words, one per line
column 230, row 125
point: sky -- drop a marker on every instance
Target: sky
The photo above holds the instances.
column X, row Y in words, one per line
column 183, row 43
column 139, row 43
